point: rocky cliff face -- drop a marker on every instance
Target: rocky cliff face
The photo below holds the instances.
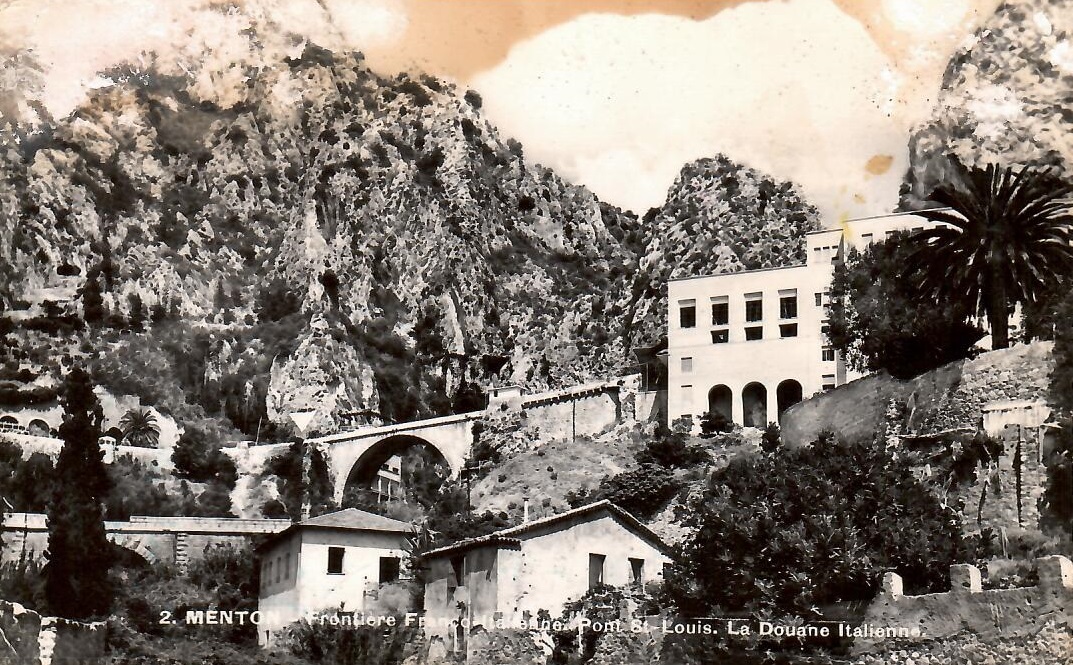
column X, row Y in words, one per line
column 291, row 185
column 1005, row 98
column 719, row 217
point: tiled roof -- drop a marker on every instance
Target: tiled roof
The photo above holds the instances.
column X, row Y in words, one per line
column 510, row 536
column 352, row 518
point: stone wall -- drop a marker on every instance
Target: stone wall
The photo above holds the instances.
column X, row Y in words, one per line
column 967, row 608
column 947, row 398
column 28, row 638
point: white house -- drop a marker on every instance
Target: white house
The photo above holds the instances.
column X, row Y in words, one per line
column 752, row 343
column 512, row 574
column 332, row 561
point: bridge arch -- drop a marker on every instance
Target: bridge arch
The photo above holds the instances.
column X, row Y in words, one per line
column 364, row 470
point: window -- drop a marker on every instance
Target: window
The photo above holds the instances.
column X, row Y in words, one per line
column 687, row 313
column 867, row 238
column 596, row 570
column 687, row 365
column 637, row 571
column 828, row 381
column 788, row 305
column 287, row 567
column 828, row 354
column 268, row 577
column 279, row 567
column 458, row 566
column 754, row 307
column 788, row 330
column 720, row 336
column 825, row 327
column 389, row 569
column 819, row 299
column 335, row 560
column 754, row 333
column 720, row 312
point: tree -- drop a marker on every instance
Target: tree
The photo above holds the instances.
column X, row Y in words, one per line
column 139, row 428
column 879, row 322
column 1006, row 239
column 1056, row 504
column 77, row 585
column 787, row 533
column 92, row 301
column 1061, row 387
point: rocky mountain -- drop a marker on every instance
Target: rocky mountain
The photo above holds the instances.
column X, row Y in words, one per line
column 719, row 217
column 1006, row 98
column 292, row 231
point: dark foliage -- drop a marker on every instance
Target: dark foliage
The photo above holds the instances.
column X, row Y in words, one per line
column 1010, row 241
column 879, row 320
column 1061, row 384
column 672, row 450
column 712, row 424
column 294, row 488
column 784, row 534
column 642, row 491
column 1056, row 504
column 77, row 585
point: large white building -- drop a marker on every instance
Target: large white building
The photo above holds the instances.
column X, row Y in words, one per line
column 752, row 343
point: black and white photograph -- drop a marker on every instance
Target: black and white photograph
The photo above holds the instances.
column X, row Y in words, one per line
column 536, row 332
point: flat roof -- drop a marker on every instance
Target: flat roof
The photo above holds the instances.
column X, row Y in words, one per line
column 736, row 272
column 872, row 218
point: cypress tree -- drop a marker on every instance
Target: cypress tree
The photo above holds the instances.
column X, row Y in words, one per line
column 79, row 554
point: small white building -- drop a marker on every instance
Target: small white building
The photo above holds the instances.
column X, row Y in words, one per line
column 513, row 574
column 332, row 561
column 750, row 344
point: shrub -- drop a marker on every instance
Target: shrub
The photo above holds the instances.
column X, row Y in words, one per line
column 713, row 423
column 642, row 491
column 784, row 534
column 672, row 450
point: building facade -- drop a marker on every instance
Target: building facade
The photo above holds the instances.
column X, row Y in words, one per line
column 330, row 562
column 513, row 574
column 750, row 344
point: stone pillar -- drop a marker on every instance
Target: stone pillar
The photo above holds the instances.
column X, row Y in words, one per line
column 772, row 405
column 965, row 578
column 1055, row 572
column 891, row 586
column 737, row 406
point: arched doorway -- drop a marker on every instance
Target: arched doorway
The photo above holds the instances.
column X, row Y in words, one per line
column 787, row 394
column 754, row 405
column 721, row 401
column 382, row 472
column 38, row 427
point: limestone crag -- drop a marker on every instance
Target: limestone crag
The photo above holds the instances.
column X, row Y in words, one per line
column 1004, row 98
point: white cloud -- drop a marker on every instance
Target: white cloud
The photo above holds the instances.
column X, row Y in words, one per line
column 795, row 89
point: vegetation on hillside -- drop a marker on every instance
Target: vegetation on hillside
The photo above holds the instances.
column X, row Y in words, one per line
column 787, row 533
column 880, row 322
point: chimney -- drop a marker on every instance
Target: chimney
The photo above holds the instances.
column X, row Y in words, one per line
column 525, row 510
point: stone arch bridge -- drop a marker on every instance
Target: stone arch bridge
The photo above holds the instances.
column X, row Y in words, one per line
column 355, row 456
column 177, row 540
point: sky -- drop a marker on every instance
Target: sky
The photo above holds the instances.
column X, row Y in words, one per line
column 616, row 95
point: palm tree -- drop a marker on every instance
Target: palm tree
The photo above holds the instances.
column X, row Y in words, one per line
column 139, row 428
column 1006, row 238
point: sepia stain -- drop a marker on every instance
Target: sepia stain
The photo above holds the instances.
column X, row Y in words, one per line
column 879, row 164
column 463, row 38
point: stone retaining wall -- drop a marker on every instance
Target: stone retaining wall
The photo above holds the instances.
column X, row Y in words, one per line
column 967, row 608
